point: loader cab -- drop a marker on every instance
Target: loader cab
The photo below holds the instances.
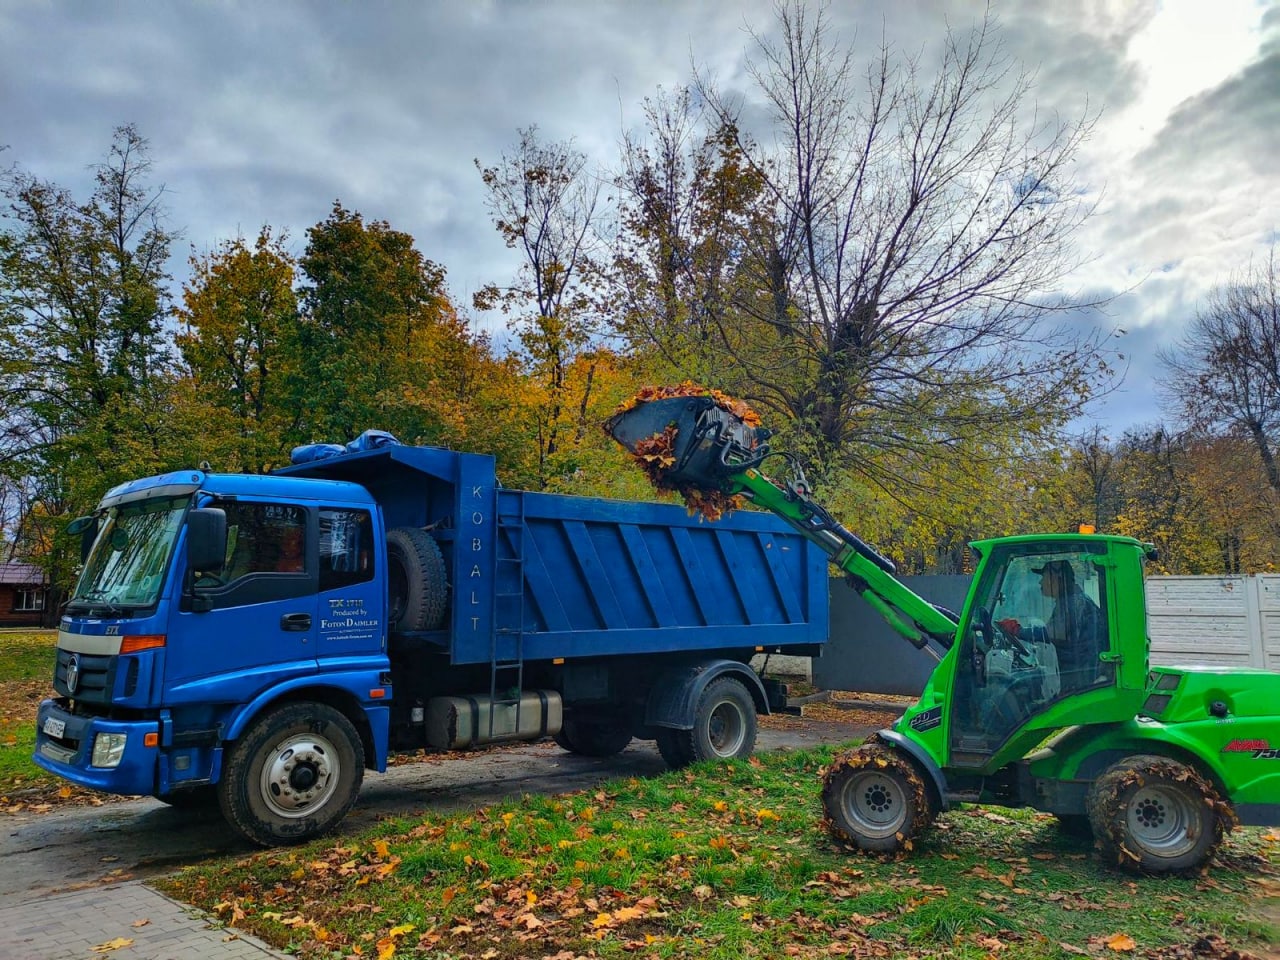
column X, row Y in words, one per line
column 1036, row 646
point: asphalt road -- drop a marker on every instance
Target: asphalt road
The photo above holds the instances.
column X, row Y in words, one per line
column 73, row 847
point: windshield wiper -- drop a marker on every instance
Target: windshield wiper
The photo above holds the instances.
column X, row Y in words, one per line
column 96, row 600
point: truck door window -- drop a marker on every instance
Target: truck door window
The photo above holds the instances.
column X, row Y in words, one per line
column 264, row 538
column 346, row 547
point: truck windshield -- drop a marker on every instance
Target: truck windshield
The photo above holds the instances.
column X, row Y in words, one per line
column 126, row 566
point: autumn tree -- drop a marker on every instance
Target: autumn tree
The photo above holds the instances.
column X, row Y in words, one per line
column 921, row 229
column 690, row 215
column 239, row 313
column 1224, row 371
column 371, row 304
column 85, row 359
column 543, row 201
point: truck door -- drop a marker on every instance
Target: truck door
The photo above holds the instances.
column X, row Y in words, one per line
column 262, row 620
column 1038, row 636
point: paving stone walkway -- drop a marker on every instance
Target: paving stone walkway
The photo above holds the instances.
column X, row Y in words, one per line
column 68, row 926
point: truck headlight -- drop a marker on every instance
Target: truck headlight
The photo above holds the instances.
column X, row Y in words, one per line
column 108, row 749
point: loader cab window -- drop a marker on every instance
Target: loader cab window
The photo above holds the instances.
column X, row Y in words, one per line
column 1037, row 635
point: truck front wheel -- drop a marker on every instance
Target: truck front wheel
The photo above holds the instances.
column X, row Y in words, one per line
column 1155, row 815
column 724, row 727
column 293, row 775
column 874, row 799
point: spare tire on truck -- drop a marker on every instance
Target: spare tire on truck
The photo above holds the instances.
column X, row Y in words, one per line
column 415, row 581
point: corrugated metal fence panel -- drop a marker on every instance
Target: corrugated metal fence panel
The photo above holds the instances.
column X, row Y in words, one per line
column 1202, row 620
column 864, row 654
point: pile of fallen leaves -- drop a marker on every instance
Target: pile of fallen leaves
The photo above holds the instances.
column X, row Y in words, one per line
column 656, row 454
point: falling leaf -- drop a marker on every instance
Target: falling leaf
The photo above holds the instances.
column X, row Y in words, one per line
column 386, row 949
column 382, row 849
column 401, row 930
column 1120, row 942
column 762, row 815
column 64, row 793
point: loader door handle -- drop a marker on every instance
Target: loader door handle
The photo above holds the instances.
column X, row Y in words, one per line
column 295, row 622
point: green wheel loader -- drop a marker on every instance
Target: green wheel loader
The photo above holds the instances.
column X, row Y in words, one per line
column 1042, row 696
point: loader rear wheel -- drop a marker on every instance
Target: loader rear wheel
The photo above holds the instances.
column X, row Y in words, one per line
column 724, row 727
column 593, row 738
column 1155, row 815
column 874, row 799
column 293, row 775
column 416, row 580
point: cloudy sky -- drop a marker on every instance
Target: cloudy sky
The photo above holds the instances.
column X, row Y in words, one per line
column 267, row 112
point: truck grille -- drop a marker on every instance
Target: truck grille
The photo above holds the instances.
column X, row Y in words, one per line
column 94, row 676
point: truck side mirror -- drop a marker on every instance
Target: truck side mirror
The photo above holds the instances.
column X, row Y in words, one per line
column 206, row 539
column 87, row 528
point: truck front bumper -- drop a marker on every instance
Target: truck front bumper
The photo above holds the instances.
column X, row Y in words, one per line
column 65, row 746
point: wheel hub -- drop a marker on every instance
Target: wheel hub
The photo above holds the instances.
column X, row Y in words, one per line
column 874, row 803
column 1162, row 820
column 302, row 775
column 725, row 729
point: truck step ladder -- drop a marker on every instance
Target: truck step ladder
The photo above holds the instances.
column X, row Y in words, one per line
column 506, row 645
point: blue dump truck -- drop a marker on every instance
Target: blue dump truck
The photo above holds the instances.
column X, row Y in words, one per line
column 258, row 642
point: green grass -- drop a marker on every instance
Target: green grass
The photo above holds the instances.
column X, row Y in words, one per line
column 26, row 676
column 719, row 861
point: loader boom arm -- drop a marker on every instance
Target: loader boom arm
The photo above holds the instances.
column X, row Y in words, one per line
column 871, row 574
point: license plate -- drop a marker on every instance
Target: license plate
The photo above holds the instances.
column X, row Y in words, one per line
column 54, row 727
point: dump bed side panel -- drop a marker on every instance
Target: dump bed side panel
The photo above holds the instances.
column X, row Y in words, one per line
column 603, row 577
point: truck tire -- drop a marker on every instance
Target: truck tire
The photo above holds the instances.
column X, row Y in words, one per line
column 593, row 738
column 415, row 580
column 875, row 799
column 293, row 775
column 724, row 727
column 1155, row 815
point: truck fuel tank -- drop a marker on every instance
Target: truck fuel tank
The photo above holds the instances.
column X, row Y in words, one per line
column 453, row 723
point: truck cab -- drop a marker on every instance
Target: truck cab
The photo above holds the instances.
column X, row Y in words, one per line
column 278, row 577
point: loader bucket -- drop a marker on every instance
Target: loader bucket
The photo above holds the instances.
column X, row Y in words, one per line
column 708, row 444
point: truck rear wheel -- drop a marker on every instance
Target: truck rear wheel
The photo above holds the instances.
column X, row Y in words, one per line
column 874, row 799
column 593, row 738
column 415, row 580
column 724, row 727
column 293, row 775
column 1155, row 815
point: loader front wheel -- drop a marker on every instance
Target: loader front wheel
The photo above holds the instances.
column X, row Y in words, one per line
column 1155, row 815
column 875, row 800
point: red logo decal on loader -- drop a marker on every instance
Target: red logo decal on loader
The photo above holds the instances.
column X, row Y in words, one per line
column 1246, row 746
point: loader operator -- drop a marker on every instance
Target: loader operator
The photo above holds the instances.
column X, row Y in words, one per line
column 1075, row 627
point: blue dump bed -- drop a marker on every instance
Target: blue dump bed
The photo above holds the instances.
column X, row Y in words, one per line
column 537, row 576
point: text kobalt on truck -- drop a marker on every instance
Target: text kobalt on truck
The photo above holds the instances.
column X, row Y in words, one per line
column 262, row 640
